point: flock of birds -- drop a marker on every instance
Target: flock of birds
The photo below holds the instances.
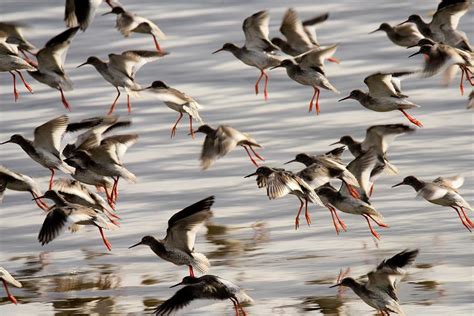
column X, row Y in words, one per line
column 96, row 157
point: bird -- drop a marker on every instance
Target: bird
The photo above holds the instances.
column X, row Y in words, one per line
column 223, row 139
column 444, row 21
column 308, row 70
column 348, row 204
column 442, row 191
column 177, row 101
column 14, row 33
column 51, row 60
column 81, row 13
column 11, row 62
column 120, row 70
column 257, row 51
column 403, row 35
column 19, row 182
column 107, row 160
column 128, row 22
column 322, row 168
column 7, row 278
column 300, row 35
column 378, row 288
column 44, row 149
column 64, row 215
column 280, row 182
column 378, row 137
column 75, row 192
column 384, row 95
column 441, row 58
column 178, row 245
column 208, row 287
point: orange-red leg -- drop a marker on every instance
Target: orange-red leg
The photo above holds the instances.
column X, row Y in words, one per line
column 157, row 45
column 334, row 60
column 191, row 272
column 110, row 199
column 191, row 131
column 173, row 130
column 461, row 84
column 51, row 179
column 27, row 86
column 466, row 218
column 129, row 104
column 462, row 220
column 265, row 87
column 250, row 156
column 258, row 81
column 104, row 239
column 377, row 222
column 15, row 92
column 352, row 191
column 41, row 204
column 411, row 118
column 316, row 93
column 306, row 213
column 112, row 107
column 371, row 190
column 10, row 297
column 331, row 210
column 256, row 155
column 297, row 219
column 374, row 233
column 236, row 308
column 64, row 101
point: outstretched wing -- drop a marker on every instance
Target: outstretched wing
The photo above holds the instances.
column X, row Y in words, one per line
column 294, row 32
column 256, row 32
column 52, row 56
column 49, row 135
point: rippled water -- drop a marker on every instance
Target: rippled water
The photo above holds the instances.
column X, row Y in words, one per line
column 251, row 240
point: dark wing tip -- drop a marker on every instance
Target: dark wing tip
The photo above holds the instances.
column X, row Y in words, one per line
column 318, row 19
column 62, row 37
column 402, row 259
column 52, row 226
column 202, row 205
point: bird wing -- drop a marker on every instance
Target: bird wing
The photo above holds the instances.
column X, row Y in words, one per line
column 450, row 15
column 70, row 14
column 293, row 30
column 453, row 182
column 388, row 273
column 256, row 32
column 7, row 277
column 183, row 225
column 49, row 135
column 281, row 183
column 129, row 62
column 51, row 57
column 116, row 146
column 53, row 225
column 381, row 136
column 432, row 191
column 362, row 167
column 316, row 56
column 381, row 85
column 182, row 298
column 310, row 29
column 216, row 145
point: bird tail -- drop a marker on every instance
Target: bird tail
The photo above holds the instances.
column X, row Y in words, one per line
column 127, row 175
column 200, row 262
column 243, row 297
column 66, row 168
column 327, row 85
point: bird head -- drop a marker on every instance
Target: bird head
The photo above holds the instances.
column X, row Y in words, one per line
column 383, row 27
column 410, row 180
column 226, row 47
column 16, row 139
column 286, row 63
column 158, row 84
column 345, row 140
column 425, row 49
column 116, row 10
column 302, row 158
column 349, row 282
column 147, row 240
column 355, row 94
column 206, row 129
column 92, row 60
column 265, row 171
column 187, row 280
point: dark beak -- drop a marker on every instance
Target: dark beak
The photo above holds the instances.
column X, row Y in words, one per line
column 37, row 198
column 250, row 175
column 107, row 13
column 348, row 97
column 82, row 64
column 289, row 161
column 193, row 132
column 338, row 142
column 375, row 31
column 398, row 184
column 137, row 244
column 414, row 54
column 8, row 141
column 411, row 46
column 339, row 284
column 180, row 283
column 219, row 50
column 402, row 23
column 276, row 67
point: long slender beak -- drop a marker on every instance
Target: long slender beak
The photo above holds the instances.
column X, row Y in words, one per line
column 289, row 161
column 219, row 50
column 107, row 13
column 339, row 284
column 398, row 184
column 338, row 142
column 414, row 54
column 348, row 97
column 193, row 132
column 375, row 31
column 137, row 244
column 8, row 141
column 82, row 64
column 402, row 23
column 411, row 46
column 37, row 198
column 180, row 283
column 276, row 67
column 250, row 175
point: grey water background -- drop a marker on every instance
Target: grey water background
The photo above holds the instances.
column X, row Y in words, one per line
column 251, row 240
